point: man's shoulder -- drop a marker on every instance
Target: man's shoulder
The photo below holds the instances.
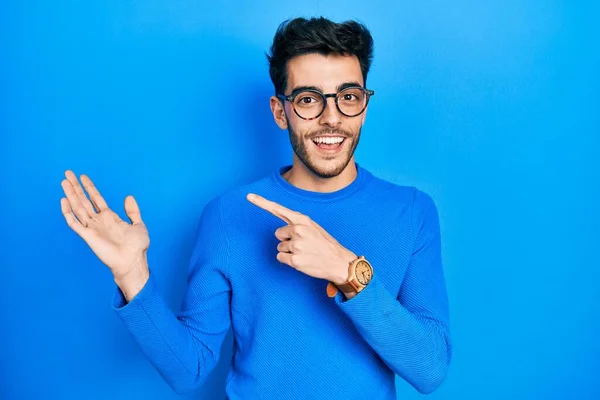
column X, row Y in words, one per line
column 390, row 187
column 404, row 193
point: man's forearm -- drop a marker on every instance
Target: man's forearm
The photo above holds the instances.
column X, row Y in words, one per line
column 416, row 346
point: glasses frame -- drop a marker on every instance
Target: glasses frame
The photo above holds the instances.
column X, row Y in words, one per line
column 368, row 93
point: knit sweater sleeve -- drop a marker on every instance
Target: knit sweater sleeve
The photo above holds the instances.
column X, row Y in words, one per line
column 184, row 346
column 410, row 330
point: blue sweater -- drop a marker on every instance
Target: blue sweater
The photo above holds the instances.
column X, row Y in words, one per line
column 291, row 341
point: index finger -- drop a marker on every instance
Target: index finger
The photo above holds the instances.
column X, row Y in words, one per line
column 281, row 212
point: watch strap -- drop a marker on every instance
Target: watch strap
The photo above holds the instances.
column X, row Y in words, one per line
column 332, row 290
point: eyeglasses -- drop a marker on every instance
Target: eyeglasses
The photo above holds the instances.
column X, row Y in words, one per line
column 309, row 103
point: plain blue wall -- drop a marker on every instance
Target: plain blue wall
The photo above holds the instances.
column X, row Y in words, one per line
column 492, row 107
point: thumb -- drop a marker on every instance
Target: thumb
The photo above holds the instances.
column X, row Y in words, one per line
column 133, row 210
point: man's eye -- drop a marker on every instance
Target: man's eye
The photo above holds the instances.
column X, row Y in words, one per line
column 307, row 101
column 310, row 100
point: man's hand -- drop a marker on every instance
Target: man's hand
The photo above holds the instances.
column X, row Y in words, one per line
column 305, row 245
column 120, row 245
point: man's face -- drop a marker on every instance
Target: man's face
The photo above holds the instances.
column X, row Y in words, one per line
column 323, row 156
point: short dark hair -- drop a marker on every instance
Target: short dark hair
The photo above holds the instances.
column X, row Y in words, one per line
column 301, row 36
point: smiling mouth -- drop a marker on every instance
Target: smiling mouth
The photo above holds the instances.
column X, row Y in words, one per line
column 329, row 143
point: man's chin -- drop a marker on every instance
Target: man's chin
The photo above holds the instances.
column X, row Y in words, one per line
column 327, row 168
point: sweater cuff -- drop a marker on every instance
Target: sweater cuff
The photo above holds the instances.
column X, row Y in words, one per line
column 363, row 303
column 142, row 300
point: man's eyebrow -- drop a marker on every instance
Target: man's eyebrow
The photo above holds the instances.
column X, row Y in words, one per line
column 339, row 87
column 300, row 88
column 345, row 85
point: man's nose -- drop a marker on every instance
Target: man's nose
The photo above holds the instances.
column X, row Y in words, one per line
column 331, row 115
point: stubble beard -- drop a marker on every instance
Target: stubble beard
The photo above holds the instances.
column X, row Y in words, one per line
column 299, row 146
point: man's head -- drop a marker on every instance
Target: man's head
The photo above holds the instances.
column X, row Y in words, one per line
column 311, row 57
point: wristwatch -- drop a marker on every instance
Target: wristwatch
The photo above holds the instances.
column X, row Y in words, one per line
column 360, row 273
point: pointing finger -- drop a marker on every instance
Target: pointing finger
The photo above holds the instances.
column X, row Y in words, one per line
column 281, row 212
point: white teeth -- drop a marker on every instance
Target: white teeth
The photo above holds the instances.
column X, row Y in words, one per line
column 328, row 140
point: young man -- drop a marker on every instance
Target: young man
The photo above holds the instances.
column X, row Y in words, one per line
column 330, row 277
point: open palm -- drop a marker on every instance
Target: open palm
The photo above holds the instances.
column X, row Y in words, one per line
column 117, row 243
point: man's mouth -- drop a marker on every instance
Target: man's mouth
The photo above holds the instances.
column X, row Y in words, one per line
column 329, row 143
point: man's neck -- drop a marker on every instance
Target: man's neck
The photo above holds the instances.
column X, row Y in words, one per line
column 301, row 177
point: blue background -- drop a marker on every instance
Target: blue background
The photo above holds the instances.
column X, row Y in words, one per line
column 491, row 107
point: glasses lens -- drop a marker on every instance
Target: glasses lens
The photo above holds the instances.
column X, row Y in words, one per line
column 352, row 101
column 308, row 104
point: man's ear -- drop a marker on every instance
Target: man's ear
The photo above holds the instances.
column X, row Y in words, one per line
column 278, row 112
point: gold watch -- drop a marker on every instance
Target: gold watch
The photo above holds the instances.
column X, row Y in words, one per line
column 360, row 273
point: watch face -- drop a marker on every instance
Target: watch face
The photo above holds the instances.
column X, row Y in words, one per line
column 364, row 272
